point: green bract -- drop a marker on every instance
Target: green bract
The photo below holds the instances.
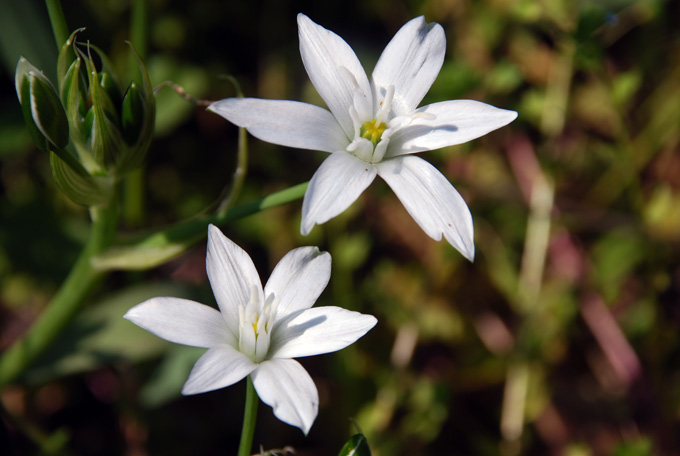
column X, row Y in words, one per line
column 94, row 132
column 357, row 445
column 43, row 112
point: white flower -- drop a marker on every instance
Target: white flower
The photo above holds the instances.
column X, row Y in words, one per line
column 257, row 331
column 374, row 127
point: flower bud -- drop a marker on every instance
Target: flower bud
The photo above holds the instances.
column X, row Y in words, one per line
column 132, row 114
column 110, row 86
column 357, row 445
column 112, row 132
column 42, row 109
column 137, row 120
column 94, row 134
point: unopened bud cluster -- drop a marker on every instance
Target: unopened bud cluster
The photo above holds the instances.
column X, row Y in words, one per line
column 95, row 133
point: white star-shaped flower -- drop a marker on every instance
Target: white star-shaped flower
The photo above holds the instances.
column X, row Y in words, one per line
column 374, row 127
column 258, row 331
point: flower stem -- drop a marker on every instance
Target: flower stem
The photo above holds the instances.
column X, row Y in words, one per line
column 161, row 246
column 241, row 170
column 58, row 21
column 249, row 418
column 133, row 185
column 239, row 175
column 66, row 303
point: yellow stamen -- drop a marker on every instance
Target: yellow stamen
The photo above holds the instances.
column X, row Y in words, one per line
column 373, row 131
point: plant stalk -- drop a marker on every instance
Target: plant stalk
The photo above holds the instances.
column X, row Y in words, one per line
column 69, row 299
column 133, row 185
column 249, row 418
column 58, row 21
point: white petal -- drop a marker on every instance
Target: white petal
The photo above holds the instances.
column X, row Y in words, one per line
column 232, row 275
column 454, row 122
column 286, row 386
column 431, row 200
column 298, row 279
column 318, row 330
column 287, row 123
column 219, row 367
column 337, row 183
column 334, row 70
column 410, row 63
column 181, row 321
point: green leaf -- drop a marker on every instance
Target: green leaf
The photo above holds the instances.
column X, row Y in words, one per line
column 101, row 336
column 166, row 382
column 357, row 445
column 142, row 257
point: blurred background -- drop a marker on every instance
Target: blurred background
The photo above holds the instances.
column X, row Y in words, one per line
column 562, row 338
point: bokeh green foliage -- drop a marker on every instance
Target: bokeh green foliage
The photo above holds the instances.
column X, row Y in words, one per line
column 561, row 337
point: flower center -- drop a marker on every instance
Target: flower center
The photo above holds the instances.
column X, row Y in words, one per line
column 256, row 320
column 373, row 130
column 371, row 137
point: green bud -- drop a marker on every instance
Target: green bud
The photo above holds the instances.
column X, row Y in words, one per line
column 40, row 104
column 110, row 133
column 70, row 88
column 357, row 445
column 103, row 137
column 23, row 87
column 110, row 86
column 93, row 134
column 88, row 123
column 80, row 117
column 132, row 114
column 138, row 117
column 48, row 113
column 66, row 58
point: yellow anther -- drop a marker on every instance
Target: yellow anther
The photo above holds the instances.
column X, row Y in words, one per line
column 373, row 131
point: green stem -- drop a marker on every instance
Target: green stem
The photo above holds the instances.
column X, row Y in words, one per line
column 163, row 245
column 133, row 185
column 59, row 27
column 249, row 418
column 199, row 227
column 239, row 174
column 241, row 170
column 133, row 197
column 66, row 303
column 138, row 31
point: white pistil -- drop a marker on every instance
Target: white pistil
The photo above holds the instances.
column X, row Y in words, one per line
column 385, row 105
column 255, row 322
